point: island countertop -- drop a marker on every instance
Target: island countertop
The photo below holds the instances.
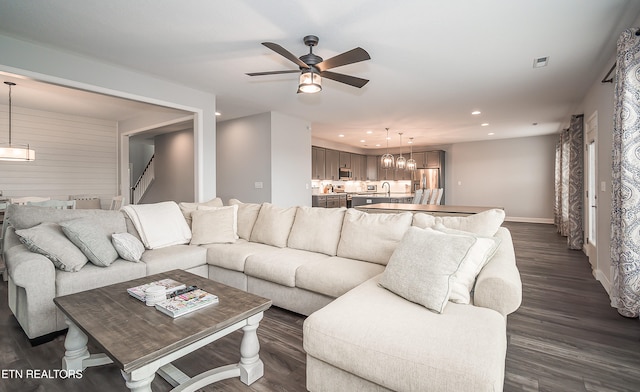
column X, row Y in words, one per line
column 427, row 208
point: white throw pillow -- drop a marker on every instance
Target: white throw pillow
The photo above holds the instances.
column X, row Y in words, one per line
column 479, row 254
column 188, row 208
column 372, row 237
column 214, row 225
column 317, row 229
column 273, row 225
column 128, row 246
column 423, row 220
column 484, row 223
column 422, row 267
column 247, row 215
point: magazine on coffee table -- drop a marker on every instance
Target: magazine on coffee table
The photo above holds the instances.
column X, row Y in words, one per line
column 170, row 284
column 186, row 303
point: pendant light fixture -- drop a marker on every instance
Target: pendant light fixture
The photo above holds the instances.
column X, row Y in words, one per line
column 15, row 152
column 387, row 160
column 411, row 163
column 401, row 162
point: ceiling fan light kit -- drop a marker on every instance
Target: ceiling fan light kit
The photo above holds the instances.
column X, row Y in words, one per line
column 11, row 151
column 313, row 68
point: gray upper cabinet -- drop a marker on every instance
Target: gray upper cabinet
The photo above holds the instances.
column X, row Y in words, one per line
column 434, row 159
column 332, row 162
column 317, row 163
column 356, row 171
column 372, row 167
column 420, row 158
column 345, row 159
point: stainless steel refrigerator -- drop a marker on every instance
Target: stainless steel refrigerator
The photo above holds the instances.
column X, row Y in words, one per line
column 428, row 179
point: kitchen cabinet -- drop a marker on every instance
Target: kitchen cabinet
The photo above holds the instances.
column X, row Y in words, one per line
column 420, row 158
column 359, row 167
column 317, row 163
column 372, row 167
column 329, row 201
column 345, row 159
column 434, row 159
column 332, row 163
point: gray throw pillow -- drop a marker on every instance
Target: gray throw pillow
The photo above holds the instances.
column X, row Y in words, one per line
column 422, row 267
column 92, row 240
column 49, row 240
column 128, row 246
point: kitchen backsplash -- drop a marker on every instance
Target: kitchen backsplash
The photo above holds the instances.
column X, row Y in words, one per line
column 319, row 186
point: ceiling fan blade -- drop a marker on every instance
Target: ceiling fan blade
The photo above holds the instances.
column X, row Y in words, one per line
column 285, row 53
column 347, row 79
column 273, row 72
column 353, row 56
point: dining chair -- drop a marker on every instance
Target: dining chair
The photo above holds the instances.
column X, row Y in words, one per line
column 59, row 204
column 417, row 197
column 116, row 202
column 439, row 198
column 426, row 195
column 86, row 202
column 434, row 196
column 24, row 200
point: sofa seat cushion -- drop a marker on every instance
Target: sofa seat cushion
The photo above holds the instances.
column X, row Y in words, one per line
column 406, row 347
column 92, row 276
column 335, row 275
column 233, row 256
column 174, row 257
column 280, row 266
column 372, row 237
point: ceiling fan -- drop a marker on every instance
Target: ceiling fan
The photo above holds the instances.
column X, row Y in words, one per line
column 313, row 67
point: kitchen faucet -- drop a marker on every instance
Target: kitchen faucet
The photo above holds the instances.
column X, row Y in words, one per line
column 388, row 188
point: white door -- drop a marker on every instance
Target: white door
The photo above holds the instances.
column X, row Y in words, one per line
column 591, row 197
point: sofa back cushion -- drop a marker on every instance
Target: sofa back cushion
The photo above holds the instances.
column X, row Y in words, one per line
column 484, row 223
column 273, row 225
column 247, row 215
column 25, row 217
column 317, row 229
column 372, row 237
column 188, row 208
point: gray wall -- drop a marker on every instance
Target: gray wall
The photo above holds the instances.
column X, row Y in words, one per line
column 243, row 158
column 269, row 148
column 174, row 174
column 516, row 174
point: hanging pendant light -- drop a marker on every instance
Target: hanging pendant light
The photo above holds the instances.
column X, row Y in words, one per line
column 411, row 163
column 401, row 162
column 387, row 159
column 15, row 152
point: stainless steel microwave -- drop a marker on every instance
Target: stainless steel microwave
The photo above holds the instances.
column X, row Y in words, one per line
column 345, row 173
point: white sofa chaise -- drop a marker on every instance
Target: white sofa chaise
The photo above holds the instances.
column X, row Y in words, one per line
column 303, row 258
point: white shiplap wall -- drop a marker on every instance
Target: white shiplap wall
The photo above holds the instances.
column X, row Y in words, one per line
column 74, row 155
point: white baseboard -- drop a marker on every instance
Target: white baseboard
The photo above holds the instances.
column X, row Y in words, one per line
column 528, row 220
column 602, row 278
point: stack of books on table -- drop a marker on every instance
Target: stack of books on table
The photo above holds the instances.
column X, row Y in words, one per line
column 170, row 284
column 185, row 303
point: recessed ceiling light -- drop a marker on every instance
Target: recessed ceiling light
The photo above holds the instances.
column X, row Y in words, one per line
column 410, row 142
column 341, row 135
column 369, row 132
column 490, row 133
column 540, row 62
column 484, row 124
column 476, row 112
column 377, row 145
column 218, row 114
column 362, row 141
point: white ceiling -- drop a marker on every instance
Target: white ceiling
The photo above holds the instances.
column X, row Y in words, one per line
column 432, row 62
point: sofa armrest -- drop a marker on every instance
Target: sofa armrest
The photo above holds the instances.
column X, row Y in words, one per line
column 498, row 286
column 33, row 271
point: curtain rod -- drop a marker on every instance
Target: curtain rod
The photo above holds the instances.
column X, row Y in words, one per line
column 607, row 78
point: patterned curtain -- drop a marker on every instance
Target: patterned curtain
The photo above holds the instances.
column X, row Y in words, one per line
column 625, row 211
column 569, row 181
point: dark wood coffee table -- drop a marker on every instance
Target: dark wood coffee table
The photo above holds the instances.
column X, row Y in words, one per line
column 142, row 341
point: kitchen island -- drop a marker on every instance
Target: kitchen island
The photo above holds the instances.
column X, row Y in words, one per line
column 367, row 199
column 426, row 208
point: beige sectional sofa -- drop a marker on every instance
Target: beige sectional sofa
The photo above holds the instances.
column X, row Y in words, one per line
column 304, row 258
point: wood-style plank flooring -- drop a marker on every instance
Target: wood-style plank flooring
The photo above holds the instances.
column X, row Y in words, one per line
column 565, row 336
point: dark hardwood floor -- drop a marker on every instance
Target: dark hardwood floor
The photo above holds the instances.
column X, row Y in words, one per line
column 564, row 337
